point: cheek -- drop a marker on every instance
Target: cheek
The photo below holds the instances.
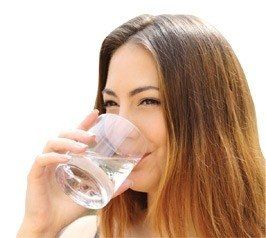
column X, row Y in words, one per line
column 154, row 128
column 147, row 176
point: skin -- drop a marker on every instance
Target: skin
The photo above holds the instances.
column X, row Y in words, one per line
column 47, row 219
column 131, row 67
column 46, row 204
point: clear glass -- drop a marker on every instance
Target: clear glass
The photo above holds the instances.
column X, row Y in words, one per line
column 92, row 178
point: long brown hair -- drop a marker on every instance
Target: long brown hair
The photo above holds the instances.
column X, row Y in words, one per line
column 214, row 171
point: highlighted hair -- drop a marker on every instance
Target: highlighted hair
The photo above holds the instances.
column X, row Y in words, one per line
column 214, row 173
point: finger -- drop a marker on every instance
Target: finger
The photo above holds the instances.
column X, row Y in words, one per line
column 124, row 186
column 88, row 122
column 44, row 160
column 63, row 145
column 77, row 135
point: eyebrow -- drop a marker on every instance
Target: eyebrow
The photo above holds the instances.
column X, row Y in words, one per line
column 131, row 93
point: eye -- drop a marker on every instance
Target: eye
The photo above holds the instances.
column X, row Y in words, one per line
column 146, row 102
column 106, row 103
column 150, row 101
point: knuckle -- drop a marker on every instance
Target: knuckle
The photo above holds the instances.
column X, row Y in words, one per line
column 39, row 159
column 49, row 143
column 53, row 154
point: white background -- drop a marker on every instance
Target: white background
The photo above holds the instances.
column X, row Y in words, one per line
column 49, row 52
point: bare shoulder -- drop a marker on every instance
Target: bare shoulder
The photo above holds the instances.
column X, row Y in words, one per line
column 83, row 227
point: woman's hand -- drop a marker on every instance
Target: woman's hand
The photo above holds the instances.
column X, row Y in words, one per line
column 47, row 208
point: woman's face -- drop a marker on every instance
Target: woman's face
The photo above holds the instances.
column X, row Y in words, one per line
column 133, row 67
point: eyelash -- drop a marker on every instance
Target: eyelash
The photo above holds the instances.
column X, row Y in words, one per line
column 155, row 102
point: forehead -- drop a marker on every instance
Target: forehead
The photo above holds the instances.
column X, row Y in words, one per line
column 131, row 66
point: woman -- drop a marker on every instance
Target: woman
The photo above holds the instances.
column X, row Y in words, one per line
column 178, row 79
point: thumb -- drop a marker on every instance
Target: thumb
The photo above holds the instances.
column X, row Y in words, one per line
column 123, row 187
column 89, row 120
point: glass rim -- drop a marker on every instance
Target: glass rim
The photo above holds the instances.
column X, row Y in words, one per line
column 134, row 126
column 123, row 118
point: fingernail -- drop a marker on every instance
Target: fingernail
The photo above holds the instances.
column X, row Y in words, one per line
column 95, row 111
column 81, row 145
column 67, row 157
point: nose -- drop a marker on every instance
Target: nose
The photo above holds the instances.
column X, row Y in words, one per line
column 126, row 136
column 125, row 113
column 122, row 127
column 128, row 115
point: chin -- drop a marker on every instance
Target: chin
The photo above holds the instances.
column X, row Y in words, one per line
column 142, row 162
column 140, row 180
column 139, row 188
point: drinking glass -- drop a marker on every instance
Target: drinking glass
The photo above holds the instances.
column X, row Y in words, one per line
column 91, row 178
